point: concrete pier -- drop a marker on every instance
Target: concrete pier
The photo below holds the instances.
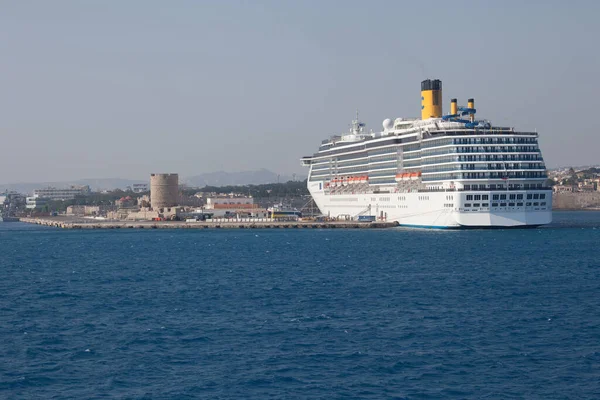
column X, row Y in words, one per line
column 65, row 223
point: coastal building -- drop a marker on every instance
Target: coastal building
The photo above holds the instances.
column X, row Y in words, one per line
column 55, row 194
column 586, row 187
column 140, row 187
column 125, row 202
column 34, row 202
column 83, row 210
column 562, row 189
column 230, row 202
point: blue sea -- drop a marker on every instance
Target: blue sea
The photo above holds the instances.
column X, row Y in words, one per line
column 301, row 314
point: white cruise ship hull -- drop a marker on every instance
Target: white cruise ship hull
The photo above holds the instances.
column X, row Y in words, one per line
column 437, row 209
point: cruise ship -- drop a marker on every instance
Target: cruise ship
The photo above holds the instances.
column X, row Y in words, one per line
column 440, row 171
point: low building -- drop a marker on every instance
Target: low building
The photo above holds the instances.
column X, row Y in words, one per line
column 587, row 187
column 125, row 202
column 83, row 210
column 562, row 189
column 230, row 202
column 140, row 187
column 34, row 202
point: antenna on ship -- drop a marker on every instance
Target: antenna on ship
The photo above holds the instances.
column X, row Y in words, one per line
column 357, row 126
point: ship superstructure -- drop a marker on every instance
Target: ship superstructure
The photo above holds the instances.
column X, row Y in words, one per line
column 446, row 171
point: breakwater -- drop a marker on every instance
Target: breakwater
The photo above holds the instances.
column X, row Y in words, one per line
column 63, row 223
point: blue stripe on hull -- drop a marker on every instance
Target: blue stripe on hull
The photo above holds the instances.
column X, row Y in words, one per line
column 469, row 227
column 430, row 226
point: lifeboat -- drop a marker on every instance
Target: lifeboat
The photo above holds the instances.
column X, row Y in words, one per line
column 398, row 177
column 405, row 176
column 414, row 176
column 345, row 181
column 352, row 180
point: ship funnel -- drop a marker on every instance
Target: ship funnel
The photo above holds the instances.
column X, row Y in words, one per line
column 471, row 106
column 431, row 99
column 453, row 107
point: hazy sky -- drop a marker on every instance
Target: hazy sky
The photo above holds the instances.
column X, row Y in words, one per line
column 93, row 89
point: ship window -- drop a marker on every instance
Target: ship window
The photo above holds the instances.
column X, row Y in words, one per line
column 476, row 205
column 529, row 196
column 469, row 197
column 485, row 197
column 542, row 196
column 543, row 203
column 528, row 204
column 485, row 205
column 536, row 196
column 536, row 204
column 467, row 205
column 502, row 204
column 494, row 204
column 519, row 204
column 467, row 187
column 495, row 197
column 511, row 204
column 512, row 196
column 477, row 197
column 502, row 197
column 519, row 197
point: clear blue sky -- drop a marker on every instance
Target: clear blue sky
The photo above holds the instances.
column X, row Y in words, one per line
column 92, row 89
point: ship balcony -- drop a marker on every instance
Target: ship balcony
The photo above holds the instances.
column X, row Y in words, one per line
column 306, row 161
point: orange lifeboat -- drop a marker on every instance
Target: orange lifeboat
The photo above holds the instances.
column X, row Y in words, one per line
column 398, row 177
column 414, row 176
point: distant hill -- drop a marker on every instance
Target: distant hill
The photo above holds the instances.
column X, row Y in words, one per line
column 95, row 184
column 222, row 178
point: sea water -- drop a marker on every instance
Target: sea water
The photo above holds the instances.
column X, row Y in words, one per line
column 231, row 314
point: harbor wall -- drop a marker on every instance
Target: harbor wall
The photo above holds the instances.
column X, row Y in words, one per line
column 250, row 223
column 575, row 200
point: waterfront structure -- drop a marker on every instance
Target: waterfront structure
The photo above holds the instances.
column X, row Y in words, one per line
column 227, row 202
column 77, row 210
column 164, row 190
column 447, row 171
column 55, row 194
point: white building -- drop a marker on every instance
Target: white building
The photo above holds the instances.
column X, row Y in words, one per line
column 229, row 202
column 140, row 187
column 35, row 202
column 51, row 193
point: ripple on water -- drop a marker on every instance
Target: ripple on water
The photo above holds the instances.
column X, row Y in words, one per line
column 301, row 314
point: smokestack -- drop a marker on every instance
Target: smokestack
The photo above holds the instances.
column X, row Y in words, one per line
column 453, row 107
column 471, row 105
column 431, row 99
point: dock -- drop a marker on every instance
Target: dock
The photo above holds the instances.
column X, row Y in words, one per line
column 65, row 223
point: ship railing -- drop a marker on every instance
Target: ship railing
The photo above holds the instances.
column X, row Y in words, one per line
column 483, row 190
column 478, row 131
